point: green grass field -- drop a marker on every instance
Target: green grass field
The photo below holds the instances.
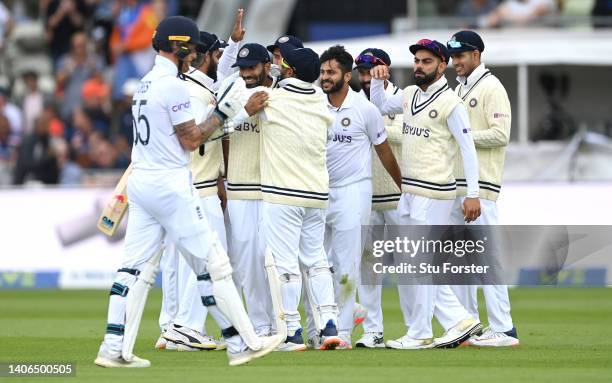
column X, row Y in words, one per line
column 566, row 336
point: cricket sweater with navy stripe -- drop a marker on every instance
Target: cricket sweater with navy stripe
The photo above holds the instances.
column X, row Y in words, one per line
column 435, row 121
column 294, row 132
column 488, row 107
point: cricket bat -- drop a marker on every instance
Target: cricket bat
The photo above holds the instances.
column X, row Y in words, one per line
column 116, row 207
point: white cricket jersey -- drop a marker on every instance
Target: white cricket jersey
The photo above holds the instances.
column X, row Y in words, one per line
column 357, row 126
column 160, row 102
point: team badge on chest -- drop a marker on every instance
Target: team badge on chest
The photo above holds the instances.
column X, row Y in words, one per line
column 473, row 103
column 345, row 121
column 433, row 113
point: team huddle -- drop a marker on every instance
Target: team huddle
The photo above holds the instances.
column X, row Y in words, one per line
column 252, row 185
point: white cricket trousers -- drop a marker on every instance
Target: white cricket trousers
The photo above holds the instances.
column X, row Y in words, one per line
column 370, row 288
column 295, row 236
column 496, row 296
column 426, row 300
column 346, row 217
column 247, row 254
column 181, row 302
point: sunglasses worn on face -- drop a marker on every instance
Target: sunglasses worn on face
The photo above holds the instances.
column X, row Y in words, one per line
column 370, row 59
column 285, row 65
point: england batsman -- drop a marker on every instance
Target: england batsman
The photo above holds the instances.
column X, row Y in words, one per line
column 163, row 199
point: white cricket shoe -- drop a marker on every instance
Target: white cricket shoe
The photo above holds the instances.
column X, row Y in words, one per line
column 188, row 337
column 293, row 342
column 172, row 346
column 458, row 334
column 221, row 344
column 269, row 343
column 371, row 340
column 491, row 338
column 359, row 314
column 109, row 359
column 409, row 343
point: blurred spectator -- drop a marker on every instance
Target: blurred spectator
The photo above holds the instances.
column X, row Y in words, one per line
column 13, row 114
column 32, row 102
column 95, row 94
column 131, row 40
column 69, row 172
column 63, row 19
column 37, row 159
column 73, row 70
column 519, row 12
column 7, row 151
column 602, row 8
column 79, row 142
column 473, row 9
column 6, row 25
column 103, row 153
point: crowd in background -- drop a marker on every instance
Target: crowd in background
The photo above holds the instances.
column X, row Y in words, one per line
column 54, row 126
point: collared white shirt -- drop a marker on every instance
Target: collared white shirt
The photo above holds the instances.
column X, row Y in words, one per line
column 160, row 103
column 357, row 126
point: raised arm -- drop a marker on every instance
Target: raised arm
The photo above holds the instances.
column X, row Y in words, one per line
column 378, row 96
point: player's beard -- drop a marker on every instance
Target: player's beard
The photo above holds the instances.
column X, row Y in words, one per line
column 427, row 79
column 337, row 86
column 212, row 69
column 260, row 80
column 365, row 86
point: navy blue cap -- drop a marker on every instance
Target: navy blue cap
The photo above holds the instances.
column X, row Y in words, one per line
column 207, row 42
column 175, row 28
column 464, row 41
column 222, row 44
column 364, row 63
column 251, row 54
column 435, row 47
column 287, row 39
column 304, row 61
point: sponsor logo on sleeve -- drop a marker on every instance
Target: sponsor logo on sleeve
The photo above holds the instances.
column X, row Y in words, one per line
column 182, row 106
column 500, row 115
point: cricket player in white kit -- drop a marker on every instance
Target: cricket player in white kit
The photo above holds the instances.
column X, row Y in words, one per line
column 488, row 106
column 180, row 304
column 244, row 203
column 185, row 329
column 358, row 125
column 295, row 192
column 163, row 199
column 435, row 121
column 385, row 197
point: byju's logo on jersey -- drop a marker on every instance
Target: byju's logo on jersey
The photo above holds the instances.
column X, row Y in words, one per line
column 414, row 131
column 247, row 127
column 184, row 105
column 342, row 138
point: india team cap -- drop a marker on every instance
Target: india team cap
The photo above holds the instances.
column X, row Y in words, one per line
column 251, row 55
column 435, row 47
column 371, row 57
column 464, row 41
column 304, row 61
column 283, row 40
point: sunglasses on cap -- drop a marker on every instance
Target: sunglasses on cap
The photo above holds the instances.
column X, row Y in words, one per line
column 432, row 46
column 458, row 44
column 369, row 59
